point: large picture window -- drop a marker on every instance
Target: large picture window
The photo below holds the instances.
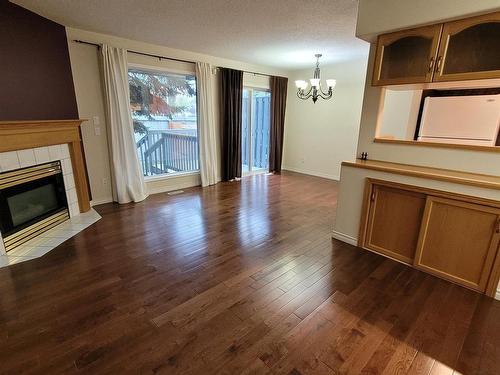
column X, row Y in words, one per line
column 163, row 107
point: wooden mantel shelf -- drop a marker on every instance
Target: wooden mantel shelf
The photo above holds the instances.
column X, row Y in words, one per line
column 19, row 135
column 465, row 178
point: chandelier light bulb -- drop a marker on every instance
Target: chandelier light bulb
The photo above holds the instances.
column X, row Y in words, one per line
column 314, row 82
column 301, row 84
column 331, row 83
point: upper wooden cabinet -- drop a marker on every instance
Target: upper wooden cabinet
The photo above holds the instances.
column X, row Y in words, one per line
column 469, row 49
column 453, row 51
column 406, row 56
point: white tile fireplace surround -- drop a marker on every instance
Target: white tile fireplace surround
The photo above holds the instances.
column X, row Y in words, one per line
column 47, row 241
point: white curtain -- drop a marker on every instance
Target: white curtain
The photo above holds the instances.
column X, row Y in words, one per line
column 206, row 124
column 128, row 181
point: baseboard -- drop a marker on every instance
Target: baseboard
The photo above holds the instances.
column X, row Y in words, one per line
column 96, row 202
column 170, row 187
column 345, row 238
column 312, row 173
column 497, row 295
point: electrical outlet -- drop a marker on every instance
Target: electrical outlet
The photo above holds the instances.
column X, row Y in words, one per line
column 104, row 181
column 97, row 130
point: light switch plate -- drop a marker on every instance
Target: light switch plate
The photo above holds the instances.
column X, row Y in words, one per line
column 96, row 120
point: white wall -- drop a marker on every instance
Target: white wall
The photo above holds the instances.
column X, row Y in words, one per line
column 400, row 113
column 89, row 96
column 88, row 90
column 319, row 136
column 381, row 16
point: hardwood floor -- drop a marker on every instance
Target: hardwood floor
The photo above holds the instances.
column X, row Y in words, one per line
column 240, row 278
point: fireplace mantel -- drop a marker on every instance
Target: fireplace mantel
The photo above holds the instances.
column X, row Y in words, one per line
column 19, row 135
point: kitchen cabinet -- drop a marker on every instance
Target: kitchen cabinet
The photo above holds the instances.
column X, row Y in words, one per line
column 393, row 222
column 451, row 51
column 458, row 241
column 451, row 236
column 406, row 56
column 469, row 49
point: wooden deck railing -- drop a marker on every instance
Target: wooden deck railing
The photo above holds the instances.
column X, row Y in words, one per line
column 163, row 152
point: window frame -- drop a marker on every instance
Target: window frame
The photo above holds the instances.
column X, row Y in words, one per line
column 155, row 69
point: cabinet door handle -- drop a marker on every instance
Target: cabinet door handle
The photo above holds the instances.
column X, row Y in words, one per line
column 438, row 64
column 431, row 65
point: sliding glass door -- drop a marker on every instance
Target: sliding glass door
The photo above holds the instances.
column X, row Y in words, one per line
column 256, row 123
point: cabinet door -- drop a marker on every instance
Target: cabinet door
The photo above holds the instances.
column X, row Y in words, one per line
column 394, row 220
column 469, row 49
column 406, row 56
column 458, row 241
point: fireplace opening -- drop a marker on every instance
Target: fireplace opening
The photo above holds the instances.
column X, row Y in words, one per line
column 32, row 200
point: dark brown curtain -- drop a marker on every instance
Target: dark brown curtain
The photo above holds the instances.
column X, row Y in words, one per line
column 279, row 87
column 230, row 103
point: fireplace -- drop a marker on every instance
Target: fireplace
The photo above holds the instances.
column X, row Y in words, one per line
column 32, row 200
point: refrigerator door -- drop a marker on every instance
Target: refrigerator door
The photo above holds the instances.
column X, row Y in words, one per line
column 461, row 119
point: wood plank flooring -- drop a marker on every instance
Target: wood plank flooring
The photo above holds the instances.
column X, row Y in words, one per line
column 239, row 278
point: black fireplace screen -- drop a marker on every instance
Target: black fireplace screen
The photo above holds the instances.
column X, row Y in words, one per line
column 30, row 201
column 33, row 203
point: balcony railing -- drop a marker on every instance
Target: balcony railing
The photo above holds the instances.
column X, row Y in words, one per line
column 162, row 152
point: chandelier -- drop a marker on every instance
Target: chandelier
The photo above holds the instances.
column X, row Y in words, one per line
column 315, row 91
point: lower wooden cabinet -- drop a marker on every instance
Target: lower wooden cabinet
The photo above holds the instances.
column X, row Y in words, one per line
column 458, row 241
column 394, row 221
column 448, row 235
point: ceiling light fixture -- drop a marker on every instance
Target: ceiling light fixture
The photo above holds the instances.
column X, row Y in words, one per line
column 315, row 91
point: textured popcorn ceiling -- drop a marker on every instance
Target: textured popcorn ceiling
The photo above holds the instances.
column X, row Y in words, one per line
column 279, row 33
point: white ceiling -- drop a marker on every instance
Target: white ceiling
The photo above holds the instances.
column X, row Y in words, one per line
column 278, row 33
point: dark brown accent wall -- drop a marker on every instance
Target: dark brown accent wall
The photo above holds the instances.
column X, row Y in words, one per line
column 35, row 70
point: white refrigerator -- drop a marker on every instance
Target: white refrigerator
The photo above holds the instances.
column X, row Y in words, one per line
column 468, row 120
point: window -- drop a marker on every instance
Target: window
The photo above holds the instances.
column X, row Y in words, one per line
column 163, row 107
column 256, row 121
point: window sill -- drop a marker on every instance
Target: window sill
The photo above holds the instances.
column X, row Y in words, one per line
column 170, row 176
column 438, row 145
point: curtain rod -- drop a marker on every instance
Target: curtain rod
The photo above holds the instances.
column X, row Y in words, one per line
column 162, row 57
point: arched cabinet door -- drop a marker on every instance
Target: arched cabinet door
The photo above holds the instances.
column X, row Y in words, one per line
column 406, row 56
column 469, row 49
